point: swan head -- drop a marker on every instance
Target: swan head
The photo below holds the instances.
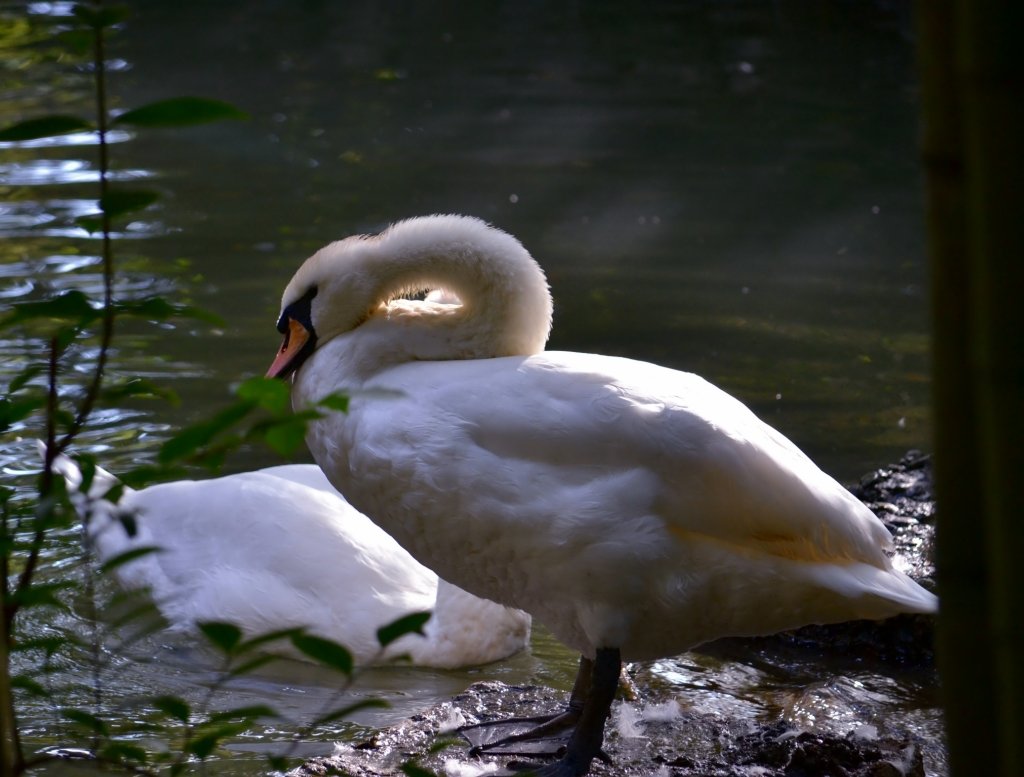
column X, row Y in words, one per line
column 503, row 302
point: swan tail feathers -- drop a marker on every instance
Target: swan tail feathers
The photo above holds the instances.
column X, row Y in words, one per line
column 911, row 596
column 881, row 592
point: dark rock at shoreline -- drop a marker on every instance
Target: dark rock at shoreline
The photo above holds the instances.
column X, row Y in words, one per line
column 679, row 743
column 903, row 497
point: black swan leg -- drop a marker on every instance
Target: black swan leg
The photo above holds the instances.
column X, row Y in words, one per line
column 539, row 728
column 587, row 737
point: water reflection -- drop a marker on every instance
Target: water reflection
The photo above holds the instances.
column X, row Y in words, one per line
column 52, row 9
column 30, row 218
column 37, row 172
column 70, row 139
column 19, row 288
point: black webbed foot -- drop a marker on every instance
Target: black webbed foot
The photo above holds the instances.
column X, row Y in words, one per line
column 589, row 706
column 534, row 737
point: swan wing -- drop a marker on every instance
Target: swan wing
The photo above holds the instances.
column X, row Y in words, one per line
column 614, row 438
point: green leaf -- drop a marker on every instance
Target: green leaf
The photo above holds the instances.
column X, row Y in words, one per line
column 124, row 753
column 252, row 665
column 42, row 595
column 189, row 440
column 29, row 685
column 408, row 624
column 137, row 387
column 245, row 714
column 278, row 763
column 146, row 475
column 43, row 127
column 70, row 306
column 286, row 437
column 99, row 18
column 204, row 744
column 78, row 41
column 335, row 402
column 117, row 202
column 86, row 720
column 49, row 645
column 180, row 112
column 87, row 469
column 143, row 616
column 262, row 639
column 64, row 336
column 324, row 651
column 173, row 707
column 90, row 222
column 349, row 709
column 272, row 394
column 127, row 556
column 12, row 411
column 159, row 309
column 412, row 769
column 224, row 636
column 202, row 747
column 22, row 379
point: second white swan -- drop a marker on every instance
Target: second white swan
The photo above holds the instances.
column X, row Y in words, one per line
column 280, row 548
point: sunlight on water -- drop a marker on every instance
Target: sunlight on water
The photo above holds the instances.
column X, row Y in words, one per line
column 70, row 139
column 29, row 218
column 51, row 9
column 57, row 171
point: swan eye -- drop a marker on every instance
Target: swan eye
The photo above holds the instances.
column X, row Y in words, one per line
column 301, row 310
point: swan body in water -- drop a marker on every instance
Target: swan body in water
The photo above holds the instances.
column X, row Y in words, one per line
column 280, row 548
column 636, row 511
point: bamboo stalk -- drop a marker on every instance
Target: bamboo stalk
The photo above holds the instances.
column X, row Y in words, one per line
column 967, row 680
column 973, row 115
column 991, row 81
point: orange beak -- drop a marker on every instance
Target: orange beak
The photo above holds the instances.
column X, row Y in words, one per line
column 287, row 360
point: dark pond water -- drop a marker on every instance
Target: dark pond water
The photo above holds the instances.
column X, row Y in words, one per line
column 730, row 188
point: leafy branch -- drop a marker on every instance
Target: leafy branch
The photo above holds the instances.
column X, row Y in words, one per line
column 74, row 315
column 260, row 413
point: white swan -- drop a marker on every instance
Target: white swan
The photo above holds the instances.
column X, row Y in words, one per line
column 280, row 548
column 635, row 510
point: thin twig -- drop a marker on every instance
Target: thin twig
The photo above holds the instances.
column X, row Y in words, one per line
column 46, row 507
column 107, row 322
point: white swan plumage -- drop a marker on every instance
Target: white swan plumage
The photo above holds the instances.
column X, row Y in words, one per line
column 635, row 510
column 280, row 548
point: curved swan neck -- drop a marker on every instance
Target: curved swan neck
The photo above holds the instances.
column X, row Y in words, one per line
column 504, row 302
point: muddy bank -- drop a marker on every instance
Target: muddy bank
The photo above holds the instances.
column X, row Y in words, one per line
column 681, row 729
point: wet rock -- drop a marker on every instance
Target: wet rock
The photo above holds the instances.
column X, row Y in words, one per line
column 673, row 743
column 661, row 734
column 902, row 495
column 809, row 754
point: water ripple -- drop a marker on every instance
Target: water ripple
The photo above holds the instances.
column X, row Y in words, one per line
column 17, row 289
column 52, row 9
column 37, row 172
column 61, row 263
column 87, row 138
column 29, row 214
